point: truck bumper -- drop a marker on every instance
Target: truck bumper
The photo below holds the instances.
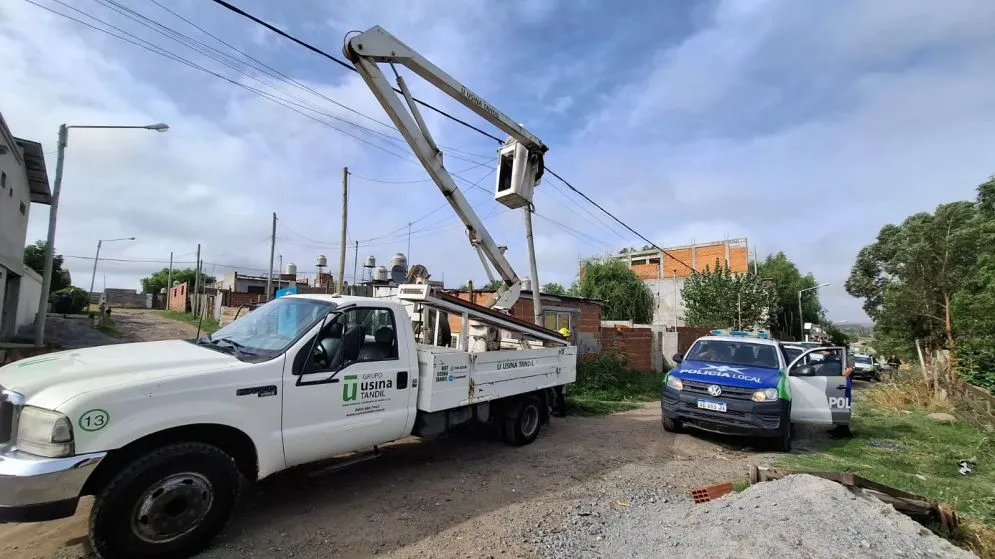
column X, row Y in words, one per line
column 742, row 417
column 34, row 489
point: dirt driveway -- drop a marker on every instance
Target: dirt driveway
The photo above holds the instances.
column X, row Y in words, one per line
column 459, row 496
column 142, row 325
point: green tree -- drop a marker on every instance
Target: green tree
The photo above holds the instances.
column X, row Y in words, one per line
column 34, row 258
column 788, row 281
column 157, row 281
column 718, row 298
column 909, row 276
column 931, row 278
column 553, row 289
column 625, row 296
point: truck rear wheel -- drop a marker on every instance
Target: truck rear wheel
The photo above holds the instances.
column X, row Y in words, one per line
column 523, row 421
column 169, row 503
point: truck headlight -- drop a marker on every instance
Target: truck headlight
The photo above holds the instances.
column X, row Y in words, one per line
column 44, row 433
column 765, row 395
column 675, row 383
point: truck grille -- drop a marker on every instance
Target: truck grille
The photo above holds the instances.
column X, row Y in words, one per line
column 729, row 392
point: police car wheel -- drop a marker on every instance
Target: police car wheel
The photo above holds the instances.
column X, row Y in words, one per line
column 672, row 425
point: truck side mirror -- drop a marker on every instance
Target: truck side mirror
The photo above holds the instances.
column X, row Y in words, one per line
column 678, row 358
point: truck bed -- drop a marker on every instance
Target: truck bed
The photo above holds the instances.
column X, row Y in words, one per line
column 449, row 378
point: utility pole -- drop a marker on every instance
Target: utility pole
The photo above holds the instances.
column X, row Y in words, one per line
column 409, row 242
column 272, row 251
column 169, row 275
column 533, row 269
column 355, row 264
column 345, row 216
column 53, row 211
column 196, row 284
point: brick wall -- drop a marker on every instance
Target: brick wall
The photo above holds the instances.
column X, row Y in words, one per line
column 636, row 341
column 125, row 298
column 179, row 298
column 676, row 260
column 234, row 299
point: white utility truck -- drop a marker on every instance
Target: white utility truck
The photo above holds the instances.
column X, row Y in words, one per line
column 160, row 433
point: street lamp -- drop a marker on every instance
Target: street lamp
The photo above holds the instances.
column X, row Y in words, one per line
column 801, row 318
column 97, row 257
column 53, row 212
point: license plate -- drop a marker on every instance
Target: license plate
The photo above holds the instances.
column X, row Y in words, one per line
column 713, row 406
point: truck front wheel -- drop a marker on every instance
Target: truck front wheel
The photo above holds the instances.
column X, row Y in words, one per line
column 523, row 421
column 170, row 502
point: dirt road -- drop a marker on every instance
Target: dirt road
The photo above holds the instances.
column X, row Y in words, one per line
column 460, row 496
column 141, row 325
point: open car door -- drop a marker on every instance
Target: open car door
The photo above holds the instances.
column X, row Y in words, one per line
column 819, row 391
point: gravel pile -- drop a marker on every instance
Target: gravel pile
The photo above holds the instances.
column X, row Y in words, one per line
column 798, row 516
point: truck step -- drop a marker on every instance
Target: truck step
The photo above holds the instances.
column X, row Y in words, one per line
column 356, row 458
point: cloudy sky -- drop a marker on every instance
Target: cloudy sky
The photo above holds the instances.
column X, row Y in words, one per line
column 803, row 126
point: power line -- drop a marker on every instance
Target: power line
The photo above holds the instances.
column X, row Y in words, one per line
column 269, row 71
column 344, row 64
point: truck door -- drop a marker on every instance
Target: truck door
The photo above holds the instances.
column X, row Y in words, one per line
column 349, row 386
column 819, row 391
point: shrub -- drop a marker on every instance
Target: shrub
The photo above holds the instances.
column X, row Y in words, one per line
column 70, row 300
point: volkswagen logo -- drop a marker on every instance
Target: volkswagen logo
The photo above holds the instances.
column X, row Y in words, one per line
column 714, row 390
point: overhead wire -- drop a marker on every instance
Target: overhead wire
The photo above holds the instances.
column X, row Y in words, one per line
column 292, row 80
column 266, row 77
column 348, row 66
column 142, row 43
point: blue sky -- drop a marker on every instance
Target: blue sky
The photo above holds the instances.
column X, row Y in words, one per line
column 803, row 126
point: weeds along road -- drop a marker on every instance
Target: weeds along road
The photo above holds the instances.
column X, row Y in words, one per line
column 464, row 495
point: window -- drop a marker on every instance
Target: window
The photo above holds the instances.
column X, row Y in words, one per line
column 24, row 209
column 372, row 330
column 553, row 320
column 734, row 353
column 3, row 180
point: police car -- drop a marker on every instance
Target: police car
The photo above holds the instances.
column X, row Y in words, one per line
column 745, row 383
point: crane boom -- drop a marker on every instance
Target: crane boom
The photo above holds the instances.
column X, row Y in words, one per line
column 520, row 162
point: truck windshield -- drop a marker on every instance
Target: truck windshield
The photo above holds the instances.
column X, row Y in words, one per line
column 734, row 353
column 270, row 329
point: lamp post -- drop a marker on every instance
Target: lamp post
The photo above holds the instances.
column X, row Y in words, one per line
column 53, row 212
column 801, row 317
column 97, row 257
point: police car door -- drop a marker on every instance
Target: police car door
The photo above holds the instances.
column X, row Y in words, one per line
column 819, row 391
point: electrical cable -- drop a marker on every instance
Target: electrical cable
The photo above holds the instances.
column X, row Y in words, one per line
column 344, row 64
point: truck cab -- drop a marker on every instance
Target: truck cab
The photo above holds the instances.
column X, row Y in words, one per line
column 743, row 383
column 161, row 432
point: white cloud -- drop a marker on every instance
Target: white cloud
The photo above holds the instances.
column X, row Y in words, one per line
column 803, row 126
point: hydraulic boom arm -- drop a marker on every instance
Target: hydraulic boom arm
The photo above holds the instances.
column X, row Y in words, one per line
column 519, row 162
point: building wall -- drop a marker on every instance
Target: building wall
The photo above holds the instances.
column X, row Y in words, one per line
column 125, row 298
column 179, row 298
column 681, row 260
column 15, row 203
column 28, row 295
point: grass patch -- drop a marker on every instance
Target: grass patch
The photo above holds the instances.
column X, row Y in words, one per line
column 605, row 386
column 925, row 460
column 209, row 326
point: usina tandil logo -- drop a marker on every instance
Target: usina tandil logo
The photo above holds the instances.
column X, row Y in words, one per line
column 349, row 387
column 372, row 386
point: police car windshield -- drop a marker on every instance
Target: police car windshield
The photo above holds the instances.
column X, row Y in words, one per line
column 734, row 353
